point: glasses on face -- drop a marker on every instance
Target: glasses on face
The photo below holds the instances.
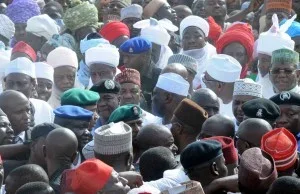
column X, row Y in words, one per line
column 284, row 71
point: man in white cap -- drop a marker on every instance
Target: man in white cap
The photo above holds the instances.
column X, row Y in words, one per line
column 44, row 75
column 193, row 33
column 20, row 76
column 267, row 43
column 130, row 15
column 160, row 39
column 244, row 90
column 220, row 75
column 169, row 91
column 102, row 61
column 65, row 64
column 7, row 29
column 39, row 30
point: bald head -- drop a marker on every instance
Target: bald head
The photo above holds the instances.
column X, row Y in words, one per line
column 61, row 143
column 176, row 68
column 163, row 137
column 252, row 130
column 218, row 125
column 208, row 100
column 10, row 98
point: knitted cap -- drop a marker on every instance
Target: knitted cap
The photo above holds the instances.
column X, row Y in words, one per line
column 189, row 62
column 190, row 107
column 114, row 138
column 282, row 146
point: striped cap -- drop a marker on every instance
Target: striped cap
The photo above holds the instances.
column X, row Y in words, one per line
column 188, row 62
column 282, row 146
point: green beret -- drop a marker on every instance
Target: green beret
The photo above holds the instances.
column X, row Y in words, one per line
column 126, row 113
column 79, row 97
column 285, row 56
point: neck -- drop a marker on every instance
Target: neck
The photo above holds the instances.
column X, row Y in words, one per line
column 220, row 21
column 227, row 98
column 32, row 160
column 167, row 117
column 53, row 166
column 185, row 142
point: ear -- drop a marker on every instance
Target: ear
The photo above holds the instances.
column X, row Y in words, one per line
column 74, row 157
column 44, row 151
column 214, row 169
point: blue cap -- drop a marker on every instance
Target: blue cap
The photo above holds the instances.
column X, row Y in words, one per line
column 136, row 45
column 73, row 112
column 293, row 30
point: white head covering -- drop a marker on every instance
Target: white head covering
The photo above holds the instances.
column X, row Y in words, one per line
column 174, row 83
column 195, row 21
column 132, row 11
column 247, row 87
column 156, row 33
column 224, row 68
column 43, row 70
column 62, row 56
column 7, row 27
column 114, row 138
column 42, row 25
column 275, row 38
column 103, row 54
column 21, row 65
column 144, row 189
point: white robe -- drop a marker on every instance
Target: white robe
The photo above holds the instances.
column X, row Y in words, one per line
column 226, row 109
column 267, row 86
column 43, row 111
column 165, row 54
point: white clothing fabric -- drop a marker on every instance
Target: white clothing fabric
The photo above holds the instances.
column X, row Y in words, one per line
column 20, row 139
column 226, row 109
column 155, row 33
column 148, row 118
column 267, row 86
column 296, row 90
column 43, row 111
column 165, row 54
column 171, row 178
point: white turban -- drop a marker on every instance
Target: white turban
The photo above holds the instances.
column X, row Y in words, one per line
column 43, row 70
column 7, row 27
column 21, row 65
column 62, row 56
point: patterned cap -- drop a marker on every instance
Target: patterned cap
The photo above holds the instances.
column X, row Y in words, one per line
column 282, row 146
column 129, row 76
column 285, row 56
column 279, row 6
column 247, row 87
column 114, row 138
column 132, row 11
column 7, row 27
column 25, row 9
column 189, row 62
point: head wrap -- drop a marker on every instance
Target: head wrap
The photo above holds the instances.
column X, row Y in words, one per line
column 84, row 14
column 19, row 11
column 21, row 65
column 86, row 43
column 113, row 30
column 114, row 138
column 22, row 47
column 293, row 30
column 282, row 146
column 215, row 29
column 279, row 6
column 64, row 40
column 129, row 76
column 224, row 68
column 62, row 56
column 42, row 25
column 90, row 177
column 152, row 7
column 187, row 105
column 247, row 87
column 257, row 170
column 194, row 21
column 173, row 83
column 132, row 11
column 43, row 70
column 7, row 27
column 105, row 54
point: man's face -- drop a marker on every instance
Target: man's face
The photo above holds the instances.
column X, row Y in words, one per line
column 34, row 41
column 114, row 7
column 107, row 104
column 64, row 77
column 135, row 126
column 52, row 11
column 264, row 64
column 181, row 14
column 284, row 77
column 237, row 51
column 211, row 83
column 20, row 82
column 99, row 72
column 130, row 94
column 167, row 12
column 237, row 103
column 81, row 33
column 157, row 102
column 211, row 106
column 133, row 61
column 44, row 89
column 129, row 22
column 45, row 50
column 20, row 32
column 198, row 9
column 215, row 8
column 6, row 132
column 116, row 184
column 289, row 118
column 233, row 5
column 280, row 15
column 193, row 38
column 92, row 108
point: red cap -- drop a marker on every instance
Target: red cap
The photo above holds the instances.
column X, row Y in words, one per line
column 215, row 30
column 22, row 47
column 229, row 152
column 129, row 76
column 282, row 146
column 113, row 30
column 90, row 177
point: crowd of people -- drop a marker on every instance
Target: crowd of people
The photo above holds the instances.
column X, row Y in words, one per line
column 149, row 96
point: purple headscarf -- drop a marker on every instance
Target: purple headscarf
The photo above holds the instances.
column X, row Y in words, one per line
column 19, row 11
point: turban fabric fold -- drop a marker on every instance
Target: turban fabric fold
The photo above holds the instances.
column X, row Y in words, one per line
column 113, row 30
column 215, row 30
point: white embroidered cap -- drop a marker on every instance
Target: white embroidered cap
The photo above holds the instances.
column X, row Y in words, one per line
column 174, row 83
column 247, row 87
